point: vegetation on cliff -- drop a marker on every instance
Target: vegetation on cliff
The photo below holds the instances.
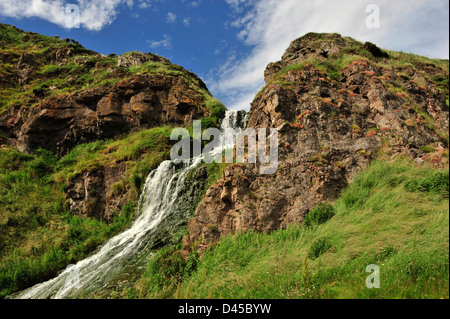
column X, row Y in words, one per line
column 307, row 232
column 39, row 235
column 45, row 222
column 35, row 67
column 394, row 215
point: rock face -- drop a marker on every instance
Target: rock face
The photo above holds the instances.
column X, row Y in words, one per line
column 137, row 59
column 99, row 193
column 55, row 94
column 329, row 130
column 62, row 122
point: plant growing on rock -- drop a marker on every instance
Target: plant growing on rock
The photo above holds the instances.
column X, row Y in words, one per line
column 319, row 215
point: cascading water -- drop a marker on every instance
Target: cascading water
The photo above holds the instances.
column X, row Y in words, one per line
column 235, row 120
column 158, row 199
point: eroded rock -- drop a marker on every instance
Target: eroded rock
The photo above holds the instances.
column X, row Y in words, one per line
column 329, row 130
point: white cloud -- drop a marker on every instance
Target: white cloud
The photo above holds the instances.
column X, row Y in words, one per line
column 187, row 21
column 166, row 42
column 194, row 4
column 144, row 4
column 171, row 17
column 94, row 15
column 269, row 26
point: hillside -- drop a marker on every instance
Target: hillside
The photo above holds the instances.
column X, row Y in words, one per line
column 55, row 94
column 79, row 134
column 394, row 215
column 362, row 176
column 336, row 103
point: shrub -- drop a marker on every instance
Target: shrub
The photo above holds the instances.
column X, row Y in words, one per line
column 214, row 106
column 208, row 122
column 319, row 247
column 44, row 163
column 437, row 183
column 427, row 149
column 355, row 197
column 219, row 112
column 85, row 79
column 166, row 268
column 49, row 69
column 193, row 261
column 319, row 215
column 18, row 272
column 136, row 180
column 77, row 232
column 123, row 219
column 335, row 76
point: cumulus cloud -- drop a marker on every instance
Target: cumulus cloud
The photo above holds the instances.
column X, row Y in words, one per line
column 268, row 26
column 94, row 14
column 166, row 42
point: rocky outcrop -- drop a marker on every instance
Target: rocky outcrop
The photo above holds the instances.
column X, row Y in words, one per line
column 62, row 122
column 99, row 193
column 137, row 58
column 329, row 130
column 59, row 95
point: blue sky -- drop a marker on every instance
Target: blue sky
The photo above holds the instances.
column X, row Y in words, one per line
column 228, row 43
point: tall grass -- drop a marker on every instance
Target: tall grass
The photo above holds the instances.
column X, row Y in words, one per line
column 380, row 219
column 38, row 235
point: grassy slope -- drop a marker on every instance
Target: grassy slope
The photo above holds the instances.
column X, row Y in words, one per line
column 38, row 235
column 394, row 215
column 82, row 70
column 14, row 42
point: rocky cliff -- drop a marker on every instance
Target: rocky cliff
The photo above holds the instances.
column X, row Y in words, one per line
column 56, row 95
column 336, row 103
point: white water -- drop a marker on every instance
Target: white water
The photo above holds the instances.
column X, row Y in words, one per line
column 159, row 198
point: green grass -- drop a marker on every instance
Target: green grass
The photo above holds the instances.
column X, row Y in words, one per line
column 319, row 215
column 25, row 267
column 165, row 273
column 333, row 66
column 83, row 69
column 143, row 151
column 38, row 235
column 382, row 218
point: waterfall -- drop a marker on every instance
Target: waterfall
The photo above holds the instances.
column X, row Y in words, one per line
column 235, row 119
column 158, row 199
column 232, row 126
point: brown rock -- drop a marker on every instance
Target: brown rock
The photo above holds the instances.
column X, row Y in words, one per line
column 329, row 131
column 62, row 122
